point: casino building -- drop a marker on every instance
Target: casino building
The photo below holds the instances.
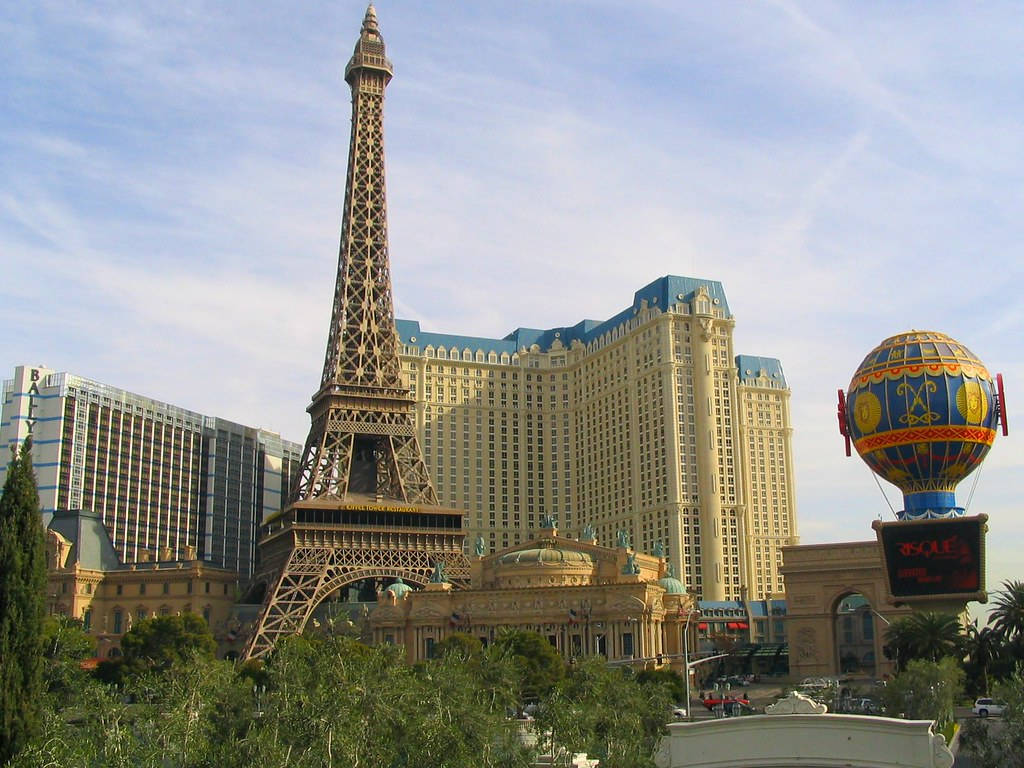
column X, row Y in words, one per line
column 584, row 597
column 162, row 478
column 87, row 580
column 646, row 422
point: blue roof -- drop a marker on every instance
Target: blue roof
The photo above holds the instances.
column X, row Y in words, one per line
column 663, row 292
column 750, row 367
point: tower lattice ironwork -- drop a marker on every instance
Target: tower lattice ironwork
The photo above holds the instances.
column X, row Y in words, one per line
column 362, row 505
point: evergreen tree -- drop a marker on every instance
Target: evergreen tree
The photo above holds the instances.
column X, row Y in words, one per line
column 22, row 595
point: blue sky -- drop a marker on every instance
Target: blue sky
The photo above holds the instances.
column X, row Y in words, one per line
column 172, row 175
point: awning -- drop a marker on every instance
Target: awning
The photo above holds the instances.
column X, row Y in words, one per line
column 702, row 625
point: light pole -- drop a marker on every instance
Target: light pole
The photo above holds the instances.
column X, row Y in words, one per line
column 879, row 645
column 686, row 658
column 640, row 623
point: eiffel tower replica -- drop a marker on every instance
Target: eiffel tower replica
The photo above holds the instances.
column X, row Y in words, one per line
column 362, row 505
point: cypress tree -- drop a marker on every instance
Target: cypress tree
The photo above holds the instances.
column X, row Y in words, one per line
column 22, row 605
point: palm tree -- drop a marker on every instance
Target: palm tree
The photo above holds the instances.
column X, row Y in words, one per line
column 1007, row 617
column 925, row 635
column 983, row 646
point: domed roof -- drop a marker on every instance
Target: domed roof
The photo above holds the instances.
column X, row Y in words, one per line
column 672, row 585
column 399, row 588
column 546, row 556
column 921, row 411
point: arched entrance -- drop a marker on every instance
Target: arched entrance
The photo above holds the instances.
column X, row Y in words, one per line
column 856, row 633
column 345, row 602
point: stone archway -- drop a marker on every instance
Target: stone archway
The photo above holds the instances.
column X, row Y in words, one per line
column 818, row 578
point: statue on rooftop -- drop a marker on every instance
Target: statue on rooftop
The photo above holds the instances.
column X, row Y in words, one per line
column 438, row 577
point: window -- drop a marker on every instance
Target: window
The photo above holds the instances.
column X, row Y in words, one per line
column 142, row 588
column 119, row 589
column 87, row 619
column 207, row 587
column 167, row 588
column 118, row 622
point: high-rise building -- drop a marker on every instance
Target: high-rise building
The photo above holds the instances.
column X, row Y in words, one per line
column 647, row 422
column 165, row 480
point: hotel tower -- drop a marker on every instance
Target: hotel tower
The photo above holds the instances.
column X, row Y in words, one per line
column 647, row 422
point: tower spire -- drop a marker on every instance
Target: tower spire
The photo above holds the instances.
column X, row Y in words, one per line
column 363, row 436
column 370, row 21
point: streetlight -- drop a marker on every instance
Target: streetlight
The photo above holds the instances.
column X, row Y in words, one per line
column 639, row 626
column 686, row 657
column 867, row 607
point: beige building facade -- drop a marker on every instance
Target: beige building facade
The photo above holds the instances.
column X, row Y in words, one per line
column 583, row 597
column 838, row 608
column 86, row 580
column 647, row 422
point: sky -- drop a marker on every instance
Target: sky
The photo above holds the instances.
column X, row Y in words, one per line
column 171, row 177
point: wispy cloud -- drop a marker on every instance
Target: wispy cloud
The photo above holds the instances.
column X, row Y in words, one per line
column 173, row 177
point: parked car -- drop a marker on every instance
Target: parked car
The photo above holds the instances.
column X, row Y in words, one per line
column 678, row 713
column 986, row 707
column 726, row 702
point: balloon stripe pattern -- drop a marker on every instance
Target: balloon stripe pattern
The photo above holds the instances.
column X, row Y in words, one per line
column 922, row 414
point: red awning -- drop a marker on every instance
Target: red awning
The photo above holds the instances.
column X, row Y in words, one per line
column 702, row 625
column 732, row 625
column 742, row 625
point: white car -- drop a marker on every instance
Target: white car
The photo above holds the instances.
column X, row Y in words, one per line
column 986, row 707
column 679, row 713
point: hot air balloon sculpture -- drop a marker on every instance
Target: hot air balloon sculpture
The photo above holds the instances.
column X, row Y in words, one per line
column 922, row 411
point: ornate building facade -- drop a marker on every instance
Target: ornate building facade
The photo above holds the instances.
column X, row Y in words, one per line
column 646, row 422
column 86, row 580
column 583, row 597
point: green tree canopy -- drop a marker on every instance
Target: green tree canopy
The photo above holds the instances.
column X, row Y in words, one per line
column 925, row 690
column 999, row 742
column 65, row 645
column 460, row 644
column 983, row 646
column 605, row 712
column 22, row 595
column 159, row 642
column 538, row 663
column 672, row 681
column 925, row 635
column 1008, row 615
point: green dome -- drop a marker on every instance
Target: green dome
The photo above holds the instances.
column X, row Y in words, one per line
column 672, row 585
column 546, row 556
column 399, row 588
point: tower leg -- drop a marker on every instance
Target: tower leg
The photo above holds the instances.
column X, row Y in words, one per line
column 288, row 605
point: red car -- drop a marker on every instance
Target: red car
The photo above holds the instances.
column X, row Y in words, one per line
column 727, row 701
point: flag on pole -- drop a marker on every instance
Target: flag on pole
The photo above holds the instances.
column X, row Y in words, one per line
column 573, row 616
